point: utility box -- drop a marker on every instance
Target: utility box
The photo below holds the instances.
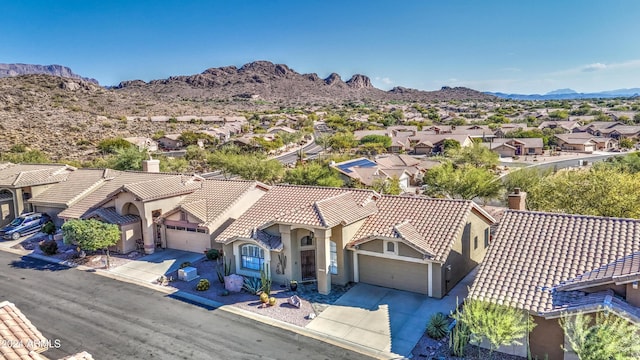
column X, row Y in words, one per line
column 188, row 273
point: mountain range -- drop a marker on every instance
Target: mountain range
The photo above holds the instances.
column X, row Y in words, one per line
column 570, row 94
column 8, row 70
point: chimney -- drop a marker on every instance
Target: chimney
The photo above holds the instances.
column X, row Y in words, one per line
column 153, row 166
column 518, row 200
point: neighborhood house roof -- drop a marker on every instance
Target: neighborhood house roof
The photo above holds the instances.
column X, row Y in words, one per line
column 77, row 184
column 214, row 197
column 299, row 205
column 111, row 216
column 430, row 225
column 114, row 181
column 534, row 255
column 15, row 328
column 21, row 175
column 360, row 162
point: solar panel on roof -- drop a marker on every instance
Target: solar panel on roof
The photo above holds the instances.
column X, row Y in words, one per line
column 360, row 162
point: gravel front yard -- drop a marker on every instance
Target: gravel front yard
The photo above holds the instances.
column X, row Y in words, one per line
column 312, row 302
column 430, row 349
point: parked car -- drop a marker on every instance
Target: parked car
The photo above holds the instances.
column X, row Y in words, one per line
column 24, row 224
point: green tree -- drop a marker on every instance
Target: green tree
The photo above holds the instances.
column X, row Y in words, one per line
column 173, row 165
column 343, row 141
column 191, row 138
column 91, row 235
column 382, row 140
column 600, row 191
column 499, row 325
column 450, row 144
column 464, row 182
column 111, row 146
column 389, row 186
column 476, row 155
column 247, row 166
column 626, row 143
column 128, row 159
column 313, row 173
column 525, row 178
column 30, row 156
column 605, row 336
column 324, row 141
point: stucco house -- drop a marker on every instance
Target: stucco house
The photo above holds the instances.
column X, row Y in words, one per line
column 334, row 236
column 193, row 223
column 143, row 143
column 170, row 142
column 576, row 143
column 367, row 172
column 521, row 146
column 434, row 144
column 21, row 182
column 550, row 265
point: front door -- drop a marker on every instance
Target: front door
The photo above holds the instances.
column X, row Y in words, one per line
column 308, row 264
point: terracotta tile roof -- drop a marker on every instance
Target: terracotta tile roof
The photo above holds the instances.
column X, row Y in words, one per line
column 214, row 197
column 111, row 216
column 113, row 180
column 16, row 329
column 622, row 270
column 343, row 209
column 77, row 184
column 430, row 225
column 578, row 301
column 290, row 205
column 533, row 252
column 20, row 175
column 163, row 187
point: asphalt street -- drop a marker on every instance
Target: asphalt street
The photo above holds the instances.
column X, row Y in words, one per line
column 116, row 320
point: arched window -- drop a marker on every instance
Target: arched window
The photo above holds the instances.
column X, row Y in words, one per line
column 391, row 247
column 306, row 240
column 252, row 257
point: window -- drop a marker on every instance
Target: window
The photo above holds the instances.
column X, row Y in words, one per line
column 531, row 150
column 306, row 240
column 171, row 227
column 390, row 247
column 333, row 260
column 191, row 229
column 487, row 236
column 475, row 242
column 252, row 257
column 183, row 216
column 202, row 231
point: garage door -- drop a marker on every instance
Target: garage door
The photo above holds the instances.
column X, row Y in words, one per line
column 395, row 274
column 188, row 241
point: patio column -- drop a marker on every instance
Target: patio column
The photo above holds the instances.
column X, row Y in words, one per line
column 356, row 268
column 285, row 235
column 323, row 259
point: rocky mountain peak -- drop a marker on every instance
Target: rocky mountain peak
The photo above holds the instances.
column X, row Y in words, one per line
column 359, row 81
column 332, row 79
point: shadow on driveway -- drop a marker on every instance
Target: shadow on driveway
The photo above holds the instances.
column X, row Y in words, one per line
column 30, row 263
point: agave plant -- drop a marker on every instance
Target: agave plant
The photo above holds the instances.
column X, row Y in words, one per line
column 438, row 326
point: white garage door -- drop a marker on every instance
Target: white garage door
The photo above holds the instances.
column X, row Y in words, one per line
column 395, row 274
column 188, row 241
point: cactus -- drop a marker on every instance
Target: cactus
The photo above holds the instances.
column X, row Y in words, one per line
column 227, row 271
column 265, row 277
column 203, row 285
column 264, row 298
column 437, row 327
column 252, row 285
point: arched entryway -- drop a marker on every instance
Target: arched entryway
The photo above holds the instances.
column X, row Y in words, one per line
column 7, row 208
column 133, row 234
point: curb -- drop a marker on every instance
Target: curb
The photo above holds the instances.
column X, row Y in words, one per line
column 173, row 292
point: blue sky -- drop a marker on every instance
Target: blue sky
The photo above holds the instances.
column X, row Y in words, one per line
column 524, row 46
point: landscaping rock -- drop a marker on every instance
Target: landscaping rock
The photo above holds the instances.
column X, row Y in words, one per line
column 233, row 283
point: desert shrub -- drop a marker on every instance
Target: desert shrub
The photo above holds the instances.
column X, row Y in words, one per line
column 49, row 247
column 252, row 285
column 213, row 254
column 49, row 228
column 203, row 285
column 185, row 264
column 438, row 326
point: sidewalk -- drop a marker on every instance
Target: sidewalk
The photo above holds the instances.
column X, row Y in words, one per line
column 210, row 304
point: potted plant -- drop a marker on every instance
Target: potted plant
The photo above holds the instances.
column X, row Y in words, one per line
column 293, row 285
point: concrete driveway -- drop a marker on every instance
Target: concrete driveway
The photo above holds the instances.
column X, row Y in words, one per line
column 150, row 267
column 383, row 319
